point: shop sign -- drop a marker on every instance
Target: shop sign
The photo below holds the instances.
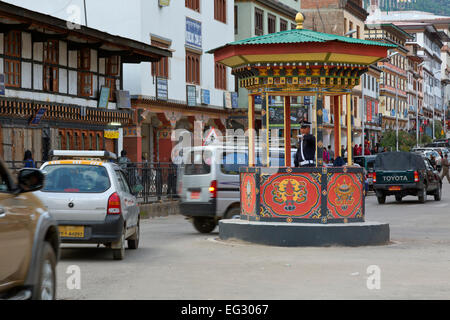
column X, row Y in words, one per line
column 234, row 100
column 162, row 89
column 164, row 3
column 111, row 134
column 104, row 97
column 191, row 92
column 2, row 84
column 193, row 33
column 123, row 99
column 227, row 100
column 38, row 117
column 206, row 98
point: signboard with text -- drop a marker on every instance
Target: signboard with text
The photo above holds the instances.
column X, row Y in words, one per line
column 104, row 97
column 123, row 99
column 191, row 96
column 164, row 3
column 193, row 33
column 206, row 99
column 161, row 89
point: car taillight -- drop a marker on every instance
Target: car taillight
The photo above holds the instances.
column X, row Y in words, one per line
column 114, row 204
column 374, row 175
column 416, row 176
column 213, row 189
column 370, row 175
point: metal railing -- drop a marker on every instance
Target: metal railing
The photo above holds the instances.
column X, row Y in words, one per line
column 153, row 181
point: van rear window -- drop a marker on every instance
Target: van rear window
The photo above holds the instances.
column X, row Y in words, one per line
column 76, row 179
column 198, row 163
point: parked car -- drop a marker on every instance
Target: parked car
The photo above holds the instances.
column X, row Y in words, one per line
column 404, row 173
column 209, row 185
column 367, row 162
column 91, row 200
column 440, row 143
column 29, row 239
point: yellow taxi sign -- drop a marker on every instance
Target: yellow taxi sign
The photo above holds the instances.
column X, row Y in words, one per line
column 82, row 162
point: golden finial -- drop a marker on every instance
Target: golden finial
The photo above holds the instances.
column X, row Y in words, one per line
column 299, row 18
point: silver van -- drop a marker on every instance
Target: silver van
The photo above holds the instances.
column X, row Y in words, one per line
column 209, row 184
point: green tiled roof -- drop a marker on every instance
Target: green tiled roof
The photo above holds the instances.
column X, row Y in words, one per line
column 304, row 36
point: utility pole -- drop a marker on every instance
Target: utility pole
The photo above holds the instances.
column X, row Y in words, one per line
column 85, row 13
column 396, row 111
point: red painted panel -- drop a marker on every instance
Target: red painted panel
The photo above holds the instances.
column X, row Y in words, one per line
column 345, row 196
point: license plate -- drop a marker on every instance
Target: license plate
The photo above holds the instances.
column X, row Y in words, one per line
column 395, row 188
column 71, row 232
column 195, row 195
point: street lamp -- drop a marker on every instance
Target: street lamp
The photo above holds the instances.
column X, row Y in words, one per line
column 417, row 106
column 396, row 100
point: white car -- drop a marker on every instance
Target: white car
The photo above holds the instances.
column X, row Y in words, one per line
column 92, row 201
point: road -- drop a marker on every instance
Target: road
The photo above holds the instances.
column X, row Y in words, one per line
column 176, row 262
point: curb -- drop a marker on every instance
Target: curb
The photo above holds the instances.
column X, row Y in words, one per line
column 159, row 209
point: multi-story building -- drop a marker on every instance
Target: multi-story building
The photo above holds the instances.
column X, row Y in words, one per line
column 344, row 18
column 256, row 18
column 370, row 104
column 393, row 82
column 414, row 92
column 180, row 89
column 62, row 84
column 431, row 34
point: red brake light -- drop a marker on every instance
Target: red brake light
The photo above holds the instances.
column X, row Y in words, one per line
column 213, row 189
column 114, row 204
column 374, row 177
column 416, row 176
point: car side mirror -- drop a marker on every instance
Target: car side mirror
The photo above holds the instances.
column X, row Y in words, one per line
column 30, row 180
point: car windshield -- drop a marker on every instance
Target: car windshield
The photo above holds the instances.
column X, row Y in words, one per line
column 398, row 161
column 76, row 179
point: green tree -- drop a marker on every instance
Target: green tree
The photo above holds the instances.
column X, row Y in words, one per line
column 406, row 141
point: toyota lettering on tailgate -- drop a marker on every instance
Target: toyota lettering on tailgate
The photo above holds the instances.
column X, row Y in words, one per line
column 395, row 178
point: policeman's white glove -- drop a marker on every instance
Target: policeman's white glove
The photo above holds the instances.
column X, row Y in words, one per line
column 300, row 136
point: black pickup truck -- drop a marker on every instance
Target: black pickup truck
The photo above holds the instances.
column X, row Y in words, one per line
column 405, row 174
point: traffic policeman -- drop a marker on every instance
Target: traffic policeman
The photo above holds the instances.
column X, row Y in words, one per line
column 306, row 151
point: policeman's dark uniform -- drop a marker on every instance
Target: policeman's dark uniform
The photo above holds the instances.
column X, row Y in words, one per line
column 306, row 151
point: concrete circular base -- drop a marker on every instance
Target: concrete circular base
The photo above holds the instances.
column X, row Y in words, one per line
column 305, row 234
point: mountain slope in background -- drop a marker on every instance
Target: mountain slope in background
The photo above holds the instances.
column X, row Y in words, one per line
column 438, row 7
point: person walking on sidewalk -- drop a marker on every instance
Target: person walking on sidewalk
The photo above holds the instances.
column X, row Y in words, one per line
column 445, row 169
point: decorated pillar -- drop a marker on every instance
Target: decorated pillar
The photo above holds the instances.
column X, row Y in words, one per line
column 132, row 143
column 251, row 131
column 349, row 130
column 337, row 125
column 319, row 129
column 287, row 131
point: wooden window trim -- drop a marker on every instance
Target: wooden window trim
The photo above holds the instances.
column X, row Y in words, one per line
column 193, row 5
column 50, row 81
column 220, row 10
column 12, row 70
column 271, row 23
column 259, row 22
column 82, row 84
column 111, row 84
column 161, row 68
column 112, row 66
column 13, row 39
column 51, row 52
column 84, row 59
column 283, row 25
column 220, row 76
column 193, row 68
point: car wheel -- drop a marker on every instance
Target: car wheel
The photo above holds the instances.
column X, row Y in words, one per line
column 381, row 199
column 45, row 289
column 398, row 198
column 423, row 195
column 233, row 213
column 438, row 194
column 119, row 254
column 133, row 243
column 204, row 225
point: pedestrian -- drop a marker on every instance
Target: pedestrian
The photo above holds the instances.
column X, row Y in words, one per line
column 433, row 161
column 445, row 169
column 307, row 147
column 342, row 151
column 338, row 162
column 123, row 160
column 325, row 156
column 331, row 154
column 360, row 150
column 28, row 161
